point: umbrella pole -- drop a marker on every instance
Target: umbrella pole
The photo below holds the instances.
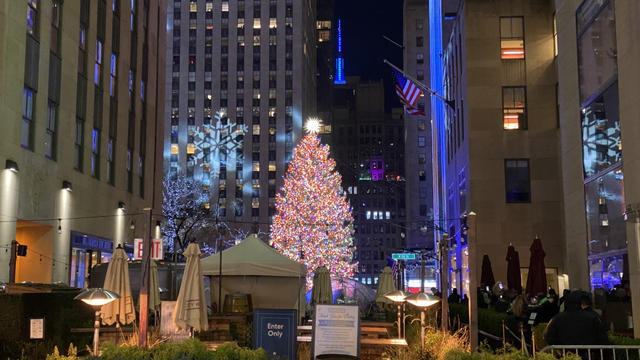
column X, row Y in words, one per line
column 96, row 333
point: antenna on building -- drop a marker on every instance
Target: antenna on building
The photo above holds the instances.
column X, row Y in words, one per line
column 339, row 78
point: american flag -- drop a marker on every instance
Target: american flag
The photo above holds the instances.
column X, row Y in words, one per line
column 408, row 93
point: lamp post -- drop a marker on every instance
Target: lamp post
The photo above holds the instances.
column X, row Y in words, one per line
column 398, row 297
column 96, row 297
column 422, row 301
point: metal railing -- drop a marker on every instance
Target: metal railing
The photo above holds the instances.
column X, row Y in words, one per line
column 595, row 352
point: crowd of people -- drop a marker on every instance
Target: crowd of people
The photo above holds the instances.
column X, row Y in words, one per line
column 575, row 318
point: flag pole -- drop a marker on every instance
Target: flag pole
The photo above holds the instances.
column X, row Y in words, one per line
column 422, row 86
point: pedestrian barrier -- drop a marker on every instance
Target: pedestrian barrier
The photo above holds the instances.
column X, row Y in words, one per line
column 596, row 352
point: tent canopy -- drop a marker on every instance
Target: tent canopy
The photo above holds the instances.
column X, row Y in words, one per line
column 252, row 257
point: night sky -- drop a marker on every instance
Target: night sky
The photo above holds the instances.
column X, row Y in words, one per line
column 364, row 22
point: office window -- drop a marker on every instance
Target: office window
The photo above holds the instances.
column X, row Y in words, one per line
column 419, row 58
column 50, row 135
column 82, row 50
column 517, row 181
column 111, row 175
column 55, row 27
column 112, row 75
column 98, row 65
column 95, row 153
column 514, row 108
column 78, row 144
column 32, row 18
column 419, row 24
column 27, row 118
column 420, row 74
column 422, row 176
column 421, row 141
column 419, row 41
column 512, row 37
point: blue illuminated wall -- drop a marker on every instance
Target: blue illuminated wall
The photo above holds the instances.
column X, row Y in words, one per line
column 437, row 108
column 339, row 78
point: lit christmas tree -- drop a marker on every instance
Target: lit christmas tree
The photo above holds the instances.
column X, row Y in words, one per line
column 313, row 222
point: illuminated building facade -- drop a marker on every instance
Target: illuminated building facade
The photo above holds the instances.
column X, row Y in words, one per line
column 496, row 152
column 598, row 115
column 80, row 92
column 368, row 148
column 253, row 63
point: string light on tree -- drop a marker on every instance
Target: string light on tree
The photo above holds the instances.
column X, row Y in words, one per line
column 313, row 222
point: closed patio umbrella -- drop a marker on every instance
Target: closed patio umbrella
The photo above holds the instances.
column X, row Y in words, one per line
column 385, row 285
column 487, row 278
column 321, row 292
column 513, row 270
column 117, row 280
column 537, row 277
column 190, row 311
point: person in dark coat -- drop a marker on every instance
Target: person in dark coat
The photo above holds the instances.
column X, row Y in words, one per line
column 576, row 326
column 454, row 297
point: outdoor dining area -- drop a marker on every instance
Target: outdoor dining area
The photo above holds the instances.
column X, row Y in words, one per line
column 251, row 277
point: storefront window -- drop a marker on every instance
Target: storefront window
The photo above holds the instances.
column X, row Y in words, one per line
column 606, row 272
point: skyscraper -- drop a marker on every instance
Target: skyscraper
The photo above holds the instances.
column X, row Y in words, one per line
column 251, row 63
column 368, row 149
column 496, row 149
column 418, row 156
column 80, row 94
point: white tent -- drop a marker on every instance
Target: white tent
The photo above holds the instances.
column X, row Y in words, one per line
column 253, row 267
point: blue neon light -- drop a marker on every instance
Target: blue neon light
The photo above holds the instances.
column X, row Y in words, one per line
column 339, row 78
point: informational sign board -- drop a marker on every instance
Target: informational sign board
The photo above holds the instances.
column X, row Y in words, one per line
column 167, row 326
column 157, row 251
column 336, row 331
column 276, row 332
column 36, row 329
column 403, row 256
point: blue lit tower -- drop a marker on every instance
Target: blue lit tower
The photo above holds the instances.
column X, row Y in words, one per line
column 339, row 78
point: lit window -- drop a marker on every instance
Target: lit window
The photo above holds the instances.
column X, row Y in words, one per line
column 368, row 215
column 272, row 23
column 256, row 23
column 174, row 149
column 208, row 7
column 191, row 148
column 256, row 129
column 388, row 215
column 256, row 166
column 514, row 105
column 225, row 6
column 511, row 38
column 193, row 7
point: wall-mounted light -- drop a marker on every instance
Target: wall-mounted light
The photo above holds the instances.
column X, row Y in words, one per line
column 66, row 185
column 11, row 165
column 59, row 226
column 122, row 206
column 132, row 226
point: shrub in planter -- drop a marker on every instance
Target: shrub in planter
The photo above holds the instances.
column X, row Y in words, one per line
column 231, row 351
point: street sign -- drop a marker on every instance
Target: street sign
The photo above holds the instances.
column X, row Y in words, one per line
column 156, row 249
column 403, row 256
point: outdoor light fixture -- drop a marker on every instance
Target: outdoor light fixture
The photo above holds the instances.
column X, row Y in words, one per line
column 11, row 165
column 122, row 206
column 96, row 297
column 422, row 300
column 66, row 185
column 59, row 226
column 398, row 297
column 132, row 225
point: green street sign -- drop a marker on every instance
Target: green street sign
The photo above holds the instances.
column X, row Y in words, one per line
column 403, row 256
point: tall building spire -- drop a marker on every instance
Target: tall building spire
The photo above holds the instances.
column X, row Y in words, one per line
column 339, row 78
